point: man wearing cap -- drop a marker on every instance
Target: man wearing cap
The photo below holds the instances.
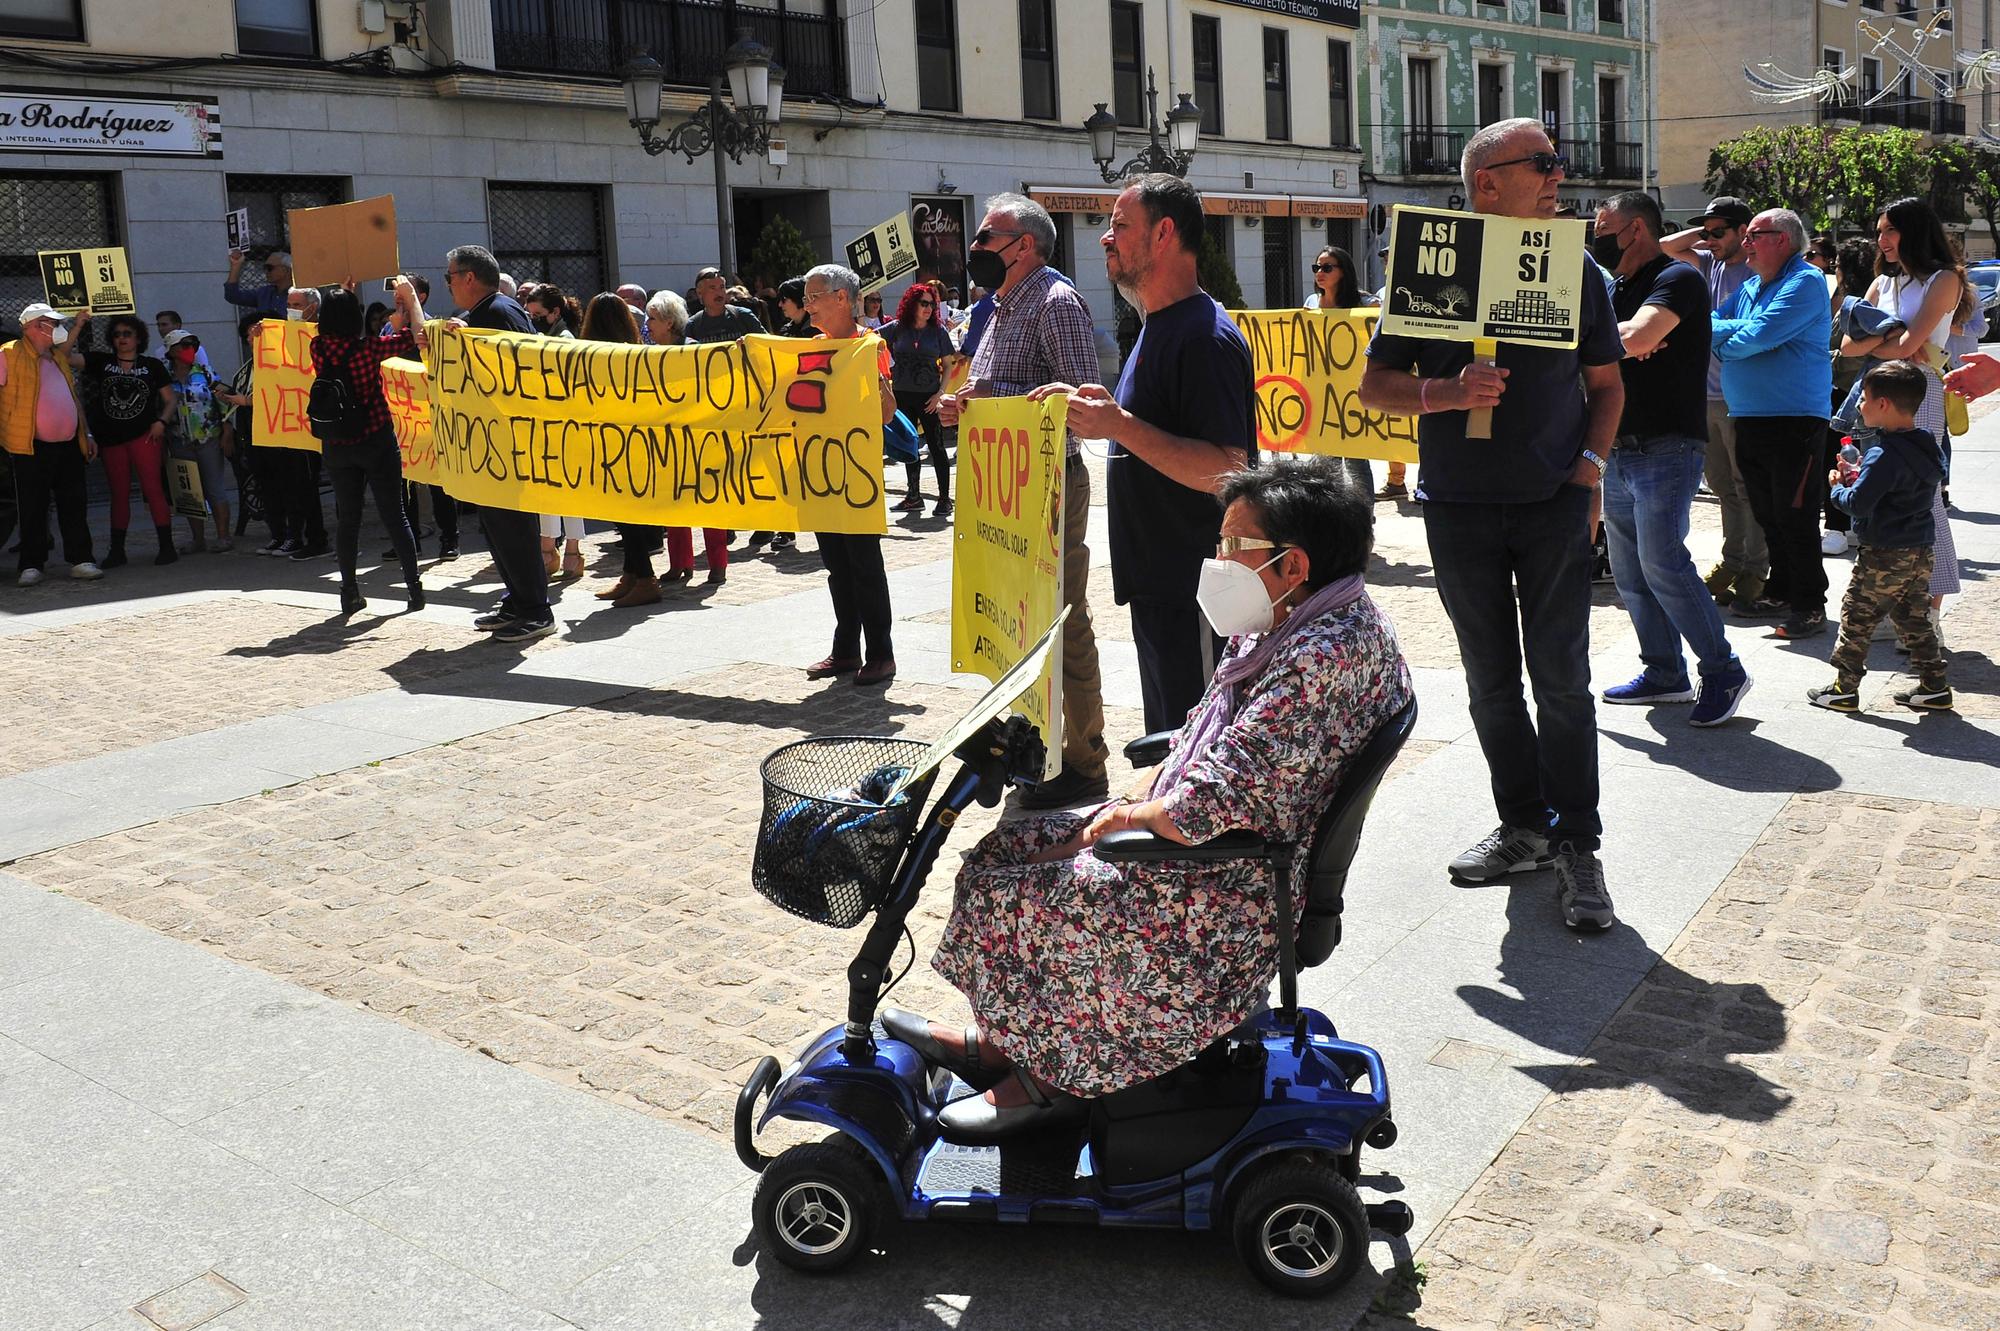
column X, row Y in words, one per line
column 1714, row 245
column 43, row 431
column 267, row 299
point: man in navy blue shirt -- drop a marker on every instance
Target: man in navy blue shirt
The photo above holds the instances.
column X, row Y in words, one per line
column 1183, row 417
column 1508, row 520
column 472, row 277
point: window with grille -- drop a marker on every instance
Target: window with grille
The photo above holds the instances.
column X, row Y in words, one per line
column 269, row 198
column 1128, row 63
column 1038, row 59
column 277, row 27
column 937, row 55
column 1281, row 262
column 549, row 233
column 1208, row 71
column 46, row 210
column 61, row 20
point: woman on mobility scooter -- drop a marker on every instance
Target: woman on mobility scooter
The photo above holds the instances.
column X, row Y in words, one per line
column 1087, row 976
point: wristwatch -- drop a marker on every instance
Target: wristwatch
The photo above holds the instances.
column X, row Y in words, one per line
column 1595, row 461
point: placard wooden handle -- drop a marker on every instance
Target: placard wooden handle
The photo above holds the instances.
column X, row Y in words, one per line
column 1479, row 424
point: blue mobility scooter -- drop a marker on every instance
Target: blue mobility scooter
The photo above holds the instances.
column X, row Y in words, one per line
column 1260, row 1134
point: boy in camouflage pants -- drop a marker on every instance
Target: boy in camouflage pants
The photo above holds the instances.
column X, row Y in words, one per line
column 1889, row 496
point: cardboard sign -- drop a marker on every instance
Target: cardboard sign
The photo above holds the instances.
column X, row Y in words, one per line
column 884, row 254
column 184, row 479
column 1473, row 277
column 97, row 278
column 1308, row 366
column 1007, row 548
column 344, row 240
column 237, row 223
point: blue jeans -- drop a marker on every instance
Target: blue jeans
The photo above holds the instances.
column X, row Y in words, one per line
column 1544, row 771
column 1648, row 491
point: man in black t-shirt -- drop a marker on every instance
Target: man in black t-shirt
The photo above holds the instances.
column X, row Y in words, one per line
column 1183, row 417
column 1656, row 463
column 1508, row 520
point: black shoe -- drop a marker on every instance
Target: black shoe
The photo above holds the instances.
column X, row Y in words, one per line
column 783, row 540
column 447, row 552
column 417, row 597
column 1802, row 626
column 943, row 509
column 351, row 600
column 305, row 552
column 1064, row 789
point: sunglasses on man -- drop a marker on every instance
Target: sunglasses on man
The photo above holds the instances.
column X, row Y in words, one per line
column 1715, row 232
column 1544, row 163
column 986, row 233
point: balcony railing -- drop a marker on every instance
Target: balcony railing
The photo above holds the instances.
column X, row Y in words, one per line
column 688, row 38
column 1617, row 159
column 1947, row 118
column 1431, row 152
column 1582, row 154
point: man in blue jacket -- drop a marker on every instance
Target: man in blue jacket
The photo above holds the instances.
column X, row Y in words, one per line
column 1777, row 378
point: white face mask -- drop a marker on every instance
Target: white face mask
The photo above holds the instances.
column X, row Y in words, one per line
column 1232, row 596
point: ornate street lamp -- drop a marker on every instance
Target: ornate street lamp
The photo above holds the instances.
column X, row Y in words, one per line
column 1834, row 208
column 1172, row 156
column 738, row 127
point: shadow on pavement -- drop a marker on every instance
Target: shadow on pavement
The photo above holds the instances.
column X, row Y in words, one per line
column 1681, row 1034
column 1732, row 755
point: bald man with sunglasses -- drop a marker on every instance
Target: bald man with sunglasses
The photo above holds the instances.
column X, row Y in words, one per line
column 1508, row 519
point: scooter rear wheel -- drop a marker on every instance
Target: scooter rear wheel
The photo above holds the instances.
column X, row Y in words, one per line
column 1301, row 1228
column 818, row 1206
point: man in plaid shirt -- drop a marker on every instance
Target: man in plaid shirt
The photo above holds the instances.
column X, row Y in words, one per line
column 1041, row 333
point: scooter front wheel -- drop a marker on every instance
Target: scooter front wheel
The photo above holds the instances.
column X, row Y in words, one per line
column 1301, row 1228
column 818, row 1206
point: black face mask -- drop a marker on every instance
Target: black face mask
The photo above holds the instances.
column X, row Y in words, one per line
column 988, row 268
column 1606, row 250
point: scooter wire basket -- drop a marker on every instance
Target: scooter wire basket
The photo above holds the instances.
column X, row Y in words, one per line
column 829, row 842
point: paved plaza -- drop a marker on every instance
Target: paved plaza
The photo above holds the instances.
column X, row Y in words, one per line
column 370, row 974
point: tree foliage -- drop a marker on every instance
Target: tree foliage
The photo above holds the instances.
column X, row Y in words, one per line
column 1977, row 170
column 1216, row 272
column 1802, row 167
column 781, row 251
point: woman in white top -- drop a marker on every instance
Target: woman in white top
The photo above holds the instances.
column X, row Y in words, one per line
column 558, row 315
column 1919, row 279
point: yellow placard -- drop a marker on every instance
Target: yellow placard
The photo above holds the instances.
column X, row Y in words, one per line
column 281, row 376
column 1007, row 548
column 184, row 480
column 883, row 253
column 99, row 278
column 767, row 434
column 1473, row 276
column 1307, row 365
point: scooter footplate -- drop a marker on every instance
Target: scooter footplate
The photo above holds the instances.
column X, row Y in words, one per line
column 997, row 1171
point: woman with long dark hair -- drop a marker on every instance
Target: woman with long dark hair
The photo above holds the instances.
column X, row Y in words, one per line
column 129, row 399
column 557, row 315
column 1335, row 283
column 918, row 344
column 1920, row 279
column 370, row 459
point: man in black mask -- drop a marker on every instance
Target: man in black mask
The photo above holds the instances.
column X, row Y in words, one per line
column 1040, row 333
column 1656, row 463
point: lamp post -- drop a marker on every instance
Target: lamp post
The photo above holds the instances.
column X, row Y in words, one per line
column 740, row 126
column 1834, row 209
column 1173, row 157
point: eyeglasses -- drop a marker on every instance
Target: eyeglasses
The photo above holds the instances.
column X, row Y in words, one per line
column 1326, row 268
column 1231, row 545
column 1754, row 234
column 1546, row 163
column 926, row 304
column 986, row 233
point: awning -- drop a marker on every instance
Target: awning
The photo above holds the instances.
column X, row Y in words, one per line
column 1058, row 199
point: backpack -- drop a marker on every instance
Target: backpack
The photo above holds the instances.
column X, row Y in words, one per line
column 333, row 409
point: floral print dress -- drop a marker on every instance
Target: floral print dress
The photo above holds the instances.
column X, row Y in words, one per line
column 1097, row 976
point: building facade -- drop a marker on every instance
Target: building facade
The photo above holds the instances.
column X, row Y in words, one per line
column 502, row 122
column 1438, row 70
column 1709, row 99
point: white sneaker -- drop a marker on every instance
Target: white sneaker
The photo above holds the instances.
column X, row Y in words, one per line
column 85, row 572
column 29, row 577
column 1833, row 543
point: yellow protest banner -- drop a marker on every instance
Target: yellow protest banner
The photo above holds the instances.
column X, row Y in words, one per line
column 281, row 376
column 406, row 388
column 1007, row 556
column 1307, row 365
column 768, row 434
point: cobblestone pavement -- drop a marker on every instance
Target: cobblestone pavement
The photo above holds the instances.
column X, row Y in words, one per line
column 572, row 895
column 86, row 689
column 1793, row 1123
